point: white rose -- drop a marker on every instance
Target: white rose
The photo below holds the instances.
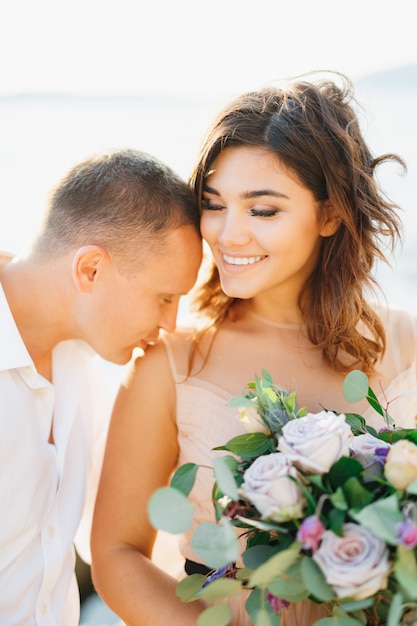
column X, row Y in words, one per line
column 355, row 565
column 401, row 464
column 316, row 441
column 363, row 447
column 251, row 420
column 268, row 487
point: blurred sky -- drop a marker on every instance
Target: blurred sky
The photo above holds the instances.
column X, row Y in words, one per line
column 191, row 47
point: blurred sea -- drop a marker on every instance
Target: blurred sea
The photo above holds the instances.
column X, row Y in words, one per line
column 41, row 136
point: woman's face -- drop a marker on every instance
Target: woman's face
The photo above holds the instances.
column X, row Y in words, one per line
column 262, row 225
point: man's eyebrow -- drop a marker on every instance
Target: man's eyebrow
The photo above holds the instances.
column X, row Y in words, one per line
column 247, row 195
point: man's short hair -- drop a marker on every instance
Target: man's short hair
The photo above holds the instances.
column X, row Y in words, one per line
column 119, row 200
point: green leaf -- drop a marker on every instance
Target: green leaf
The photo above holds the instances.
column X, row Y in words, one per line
column 395, row 610
column 338, row 620
column 249, row 446
column 264, row 618
column 276, row 565
column 405, row 570
column 344, row 469
column 184, row 478
column 241, row 401
column 221, row 588
column 358, row 424
column 216, row 544
column 355, row 386
column 358, row 605
column 356, row 494
column 315, row 581
column 256, row 603
column 412, row 487
column 337, row 518
column 262, row 525
column 290, row 585
column 257, row 555
column 170, row 510
column 217, row 615
column 381, row 518
column 225, row 478
column 188, row 589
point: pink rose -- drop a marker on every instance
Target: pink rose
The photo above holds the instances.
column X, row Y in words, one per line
column 355, row 565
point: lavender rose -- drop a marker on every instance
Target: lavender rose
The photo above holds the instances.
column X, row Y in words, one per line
column 355, row 565
column 366, row 450
column 316, row 441
column 268, row 487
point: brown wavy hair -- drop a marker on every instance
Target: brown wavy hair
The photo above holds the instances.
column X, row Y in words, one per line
column 314, row 130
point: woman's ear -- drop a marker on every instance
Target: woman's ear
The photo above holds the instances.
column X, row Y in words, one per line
column 330, row 222
column 87, row 264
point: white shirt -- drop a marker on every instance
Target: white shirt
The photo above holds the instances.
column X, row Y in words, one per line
column 44, row 487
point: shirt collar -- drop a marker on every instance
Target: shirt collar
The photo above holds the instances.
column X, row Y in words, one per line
column 13, row 352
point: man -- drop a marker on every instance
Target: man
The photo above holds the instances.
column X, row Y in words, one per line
column 118, row 247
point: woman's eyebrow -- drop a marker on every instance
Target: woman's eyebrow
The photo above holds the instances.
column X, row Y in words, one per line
column 247, row 195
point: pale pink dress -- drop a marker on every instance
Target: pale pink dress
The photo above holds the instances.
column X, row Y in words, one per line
column 205, row 421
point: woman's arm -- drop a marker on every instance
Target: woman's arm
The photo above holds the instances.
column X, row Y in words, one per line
column 141, row 453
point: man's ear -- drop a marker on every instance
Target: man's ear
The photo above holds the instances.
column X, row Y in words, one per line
column 330, row 222
column 87, row 264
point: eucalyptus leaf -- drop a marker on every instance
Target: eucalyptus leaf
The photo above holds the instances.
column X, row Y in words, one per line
column 381, row 518
column 261, row 525
column 217, row 615
column 315, row 581
column 264, row 618
column 225, row 478
column 188, row 589
column 412, row 487
column 355, row 386
column 257, row 603
column 290, row 585
column 257, row 555
column 241, row 401
column 276, row 565
column 216, row 544
column 358, row 605
column 405, row 570
column 221, row 588
column 395, row 610
column 338, row 620
column 184, row 478
column 170, row 510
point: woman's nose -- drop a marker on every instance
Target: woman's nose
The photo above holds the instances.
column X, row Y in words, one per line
column 234, row 230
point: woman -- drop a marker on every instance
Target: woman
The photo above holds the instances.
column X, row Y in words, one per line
column 295, row 221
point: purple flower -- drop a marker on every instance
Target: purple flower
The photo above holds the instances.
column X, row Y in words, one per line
column 310, row 533
column 381, row 455
column 228, row 571
column 407, row 533
column 276, row 603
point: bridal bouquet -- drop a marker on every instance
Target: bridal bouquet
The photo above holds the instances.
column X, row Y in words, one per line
column 324, row 506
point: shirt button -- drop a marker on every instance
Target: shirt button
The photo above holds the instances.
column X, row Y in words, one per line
column 44, row 609
column 51, row 532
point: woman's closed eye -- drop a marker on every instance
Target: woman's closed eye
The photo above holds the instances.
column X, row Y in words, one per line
column 209, row 205
column 263, row 212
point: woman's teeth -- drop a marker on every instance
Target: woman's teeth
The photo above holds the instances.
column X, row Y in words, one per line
column 248, row 260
